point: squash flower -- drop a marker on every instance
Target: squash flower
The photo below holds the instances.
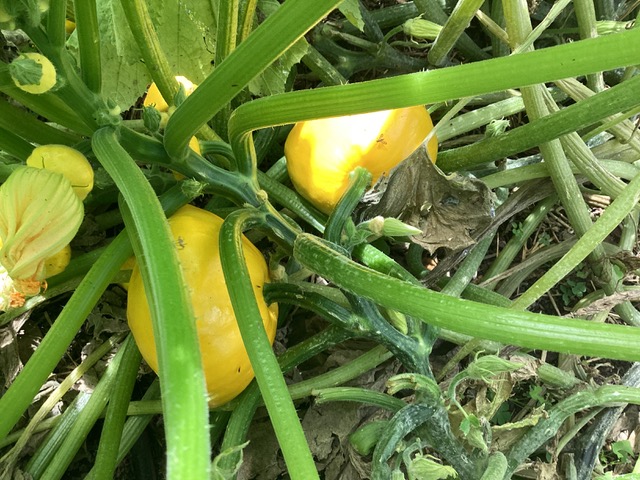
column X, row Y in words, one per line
column 39, row 215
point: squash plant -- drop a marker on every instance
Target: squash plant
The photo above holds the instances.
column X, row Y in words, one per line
column 376, row 297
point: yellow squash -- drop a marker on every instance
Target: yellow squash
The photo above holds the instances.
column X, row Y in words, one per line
column 154, row 98
column 225, row 361
column 67, row 161
column 47, row 74
column 321, row 153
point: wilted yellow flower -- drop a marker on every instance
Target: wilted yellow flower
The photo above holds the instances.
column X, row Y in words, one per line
column 39, row 215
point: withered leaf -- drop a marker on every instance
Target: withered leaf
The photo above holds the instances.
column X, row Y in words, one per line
column 448, row 209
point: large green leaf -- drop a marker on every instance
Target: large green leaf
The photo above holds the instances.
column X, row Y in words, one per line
column 273, row 79
column 186, row 31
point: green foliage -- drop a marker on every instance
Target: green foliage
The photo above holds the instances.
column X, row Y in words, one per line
column 186, row 32
column 351, row 10
column 364, row 292
column 536, row 392
column 574, row 287
column 623, row 450
column 221, row 473
column 26, row 71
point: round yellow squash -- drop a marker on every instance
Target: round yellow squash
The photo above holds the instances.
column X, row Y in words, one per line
column 67, row 161
column 321, row 153
column 226, row 364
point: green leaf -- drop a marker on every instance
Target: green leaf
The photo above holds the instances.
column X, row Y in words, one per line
column 535, row 392
column 274, row 78
column 351, row 10
column 219, row 473
column 424, row 468
column 186, row 31
column 26, row 71
column 622, row 449
column 468, row 423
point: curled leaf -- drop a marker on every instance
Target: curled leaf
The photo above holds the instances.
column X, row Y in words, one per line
column 450, row 211
column 39, row 215
column 488, row 366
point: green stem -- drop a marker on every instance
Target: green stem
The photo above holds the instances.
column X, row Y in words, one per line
column 81, row 427
column 524, row 44
column 26, row 125
column 180, row 366
column 570, row 119
column 148, row 42
column 342, row 374
column 586, row 16
column 496, row 466
column 445, row 84
column 248, row 15
column 592, row 238
column 49, row 106
column 479, row 117
column 227, row 29
column 55, row 23
column 265, row 365
column 87, row 28
column 359, row 395
column 432, row 10
column 247, row 403
column 618, row 125
column 519, row 174
column 9, row 459
column 454, row 27
column 469, row 267
column 517, row 242
column 223, row 182
column 281, row 30
column 320, row 66
column 226, row 38
column 359, row 180
column 547, row 427
column 107, row 455
column 14, row 145
column 480, row 320
column 282, row 195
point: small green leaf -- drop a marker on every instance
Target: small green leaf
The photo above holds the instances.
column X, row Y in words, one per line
column 622, row 449
column 351, row 10
column 424, row 468
column 218, row 473
column 467, row 424
column 471, row 428
column 484, row 368
column 26, row 71
column 535, row 392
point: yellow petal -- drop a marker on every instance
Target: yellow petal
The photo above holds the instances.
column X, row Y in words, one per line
column 39, row 215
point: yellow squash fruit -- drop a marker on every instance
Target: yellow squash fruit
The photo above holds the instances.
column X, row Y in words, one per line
column 32, row 80
column 69, row 26
column 321, row 153
column 57, row 262
column 127, row 265
column 226, row 364
column 154, row 97
column 67, row 161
